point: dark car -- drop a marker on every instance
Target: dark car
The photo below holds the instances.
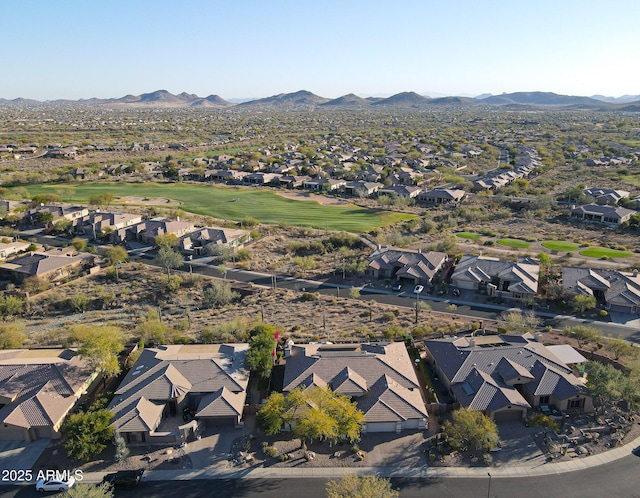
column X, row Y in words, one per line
column 124, row 478
column 397, row 287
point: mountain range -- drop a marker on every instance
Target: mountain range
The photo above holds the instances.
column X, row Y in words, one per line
column 304, row 99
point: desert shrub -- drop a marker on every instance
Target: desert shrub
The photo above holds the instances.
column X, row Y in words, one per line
column 309, row 296
column 270, row 451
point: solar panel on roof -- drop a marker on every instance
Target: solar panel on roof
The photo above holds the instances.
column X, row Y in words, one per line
column 467, row 388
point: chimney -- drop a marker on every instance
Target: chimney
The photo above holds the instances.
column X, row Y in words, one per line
column 635, row 272
column 472, row 341
column 538, row 337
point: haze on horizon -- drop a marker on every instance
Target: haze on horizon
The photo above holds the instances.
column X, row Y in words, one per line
column 253, row 49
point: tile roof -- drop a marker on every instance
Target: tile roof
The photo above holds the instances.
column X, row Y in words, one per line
column 169, row 372
column 481, row 374
column 380, row 376
column 39, row 387
column 522, row 275
column 222, row 403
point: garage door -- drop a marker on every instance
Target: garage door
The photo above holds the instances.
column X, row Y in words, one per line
column 381, row 427
column 411, row 423
column 508, row 415
column 219, row 422
column 7, row 434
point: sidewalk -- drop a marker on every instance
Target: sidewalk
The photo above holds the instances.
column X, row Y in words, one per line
column 223, row 470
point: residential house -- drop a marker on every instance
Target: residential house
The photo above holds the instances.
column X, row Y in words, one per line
column 441, row 196
column 323, row 184
column 505, row 376
column 259, row 178
column 53, row 265
column 71, row 213
column 404, row 191
column 612, row 215
column 289, row 181
column 167, row 383
column 362, row 189
column 10, row 248
column 380, row 377
column 98, row 223
column 517, row 280
column 196, row 241
column 402, row 265
column 224, row 176
column 38, row 388
column 148, row 230
column 606, row 195
column 615, row 290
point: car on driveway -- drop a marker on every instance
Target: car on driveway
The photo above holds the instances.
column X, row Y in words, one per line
column 397, row 287
column 55, row 484
column 418, row 289
column 124, row 478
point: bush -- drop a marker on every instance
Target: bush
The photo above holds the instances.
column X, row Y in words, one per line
column 270, row 451
column 309, row 296
column 487, row 458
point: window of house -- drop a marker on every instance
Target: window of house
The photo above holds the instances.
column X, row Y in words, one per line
column 544, row 400
column 575, row 403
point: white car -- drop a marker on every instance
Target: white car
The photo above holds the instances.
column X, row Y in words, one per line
column 418, row 289
column 54, row 484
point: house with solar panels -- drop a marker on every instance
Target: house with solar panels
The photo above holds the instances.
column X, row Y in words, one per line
column 505, row 376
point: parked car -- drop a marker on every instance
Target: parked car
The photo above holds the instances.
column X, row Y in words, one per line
column 418, row 289
column 397, row 287
column 124, row 478
column 456, row 292
column 55, row 484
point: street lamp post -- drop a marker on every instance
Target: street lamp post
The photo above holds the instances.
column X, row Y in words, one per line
column 489, row 489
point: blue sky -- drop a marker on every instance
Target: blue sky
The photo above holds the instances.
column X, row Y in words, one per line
column 257, row 48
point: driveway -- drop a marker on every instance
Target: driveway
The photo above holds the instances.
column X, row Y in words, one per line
column 19, row 455
column 518, row 446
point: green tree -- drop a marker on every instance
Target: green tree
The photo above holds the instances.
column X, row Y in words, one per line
column 169, row 240
column 170, row 259
column 619, row 347
column 84, row 490
column 11, row 335
column 583, row 302
column 354, row 486
column 43, row 218
column 10, row 306
column 545, row 259
column 271, row 414
column 116, row 255
column 85, row 435
column 43, row 199
column 471, row 428
column 604, row 382
column 218, row 294
column 102, row 201
column 262, row 343
column 79, row 244
column 152, row 331
column 79, row 302
column 316, row 424
column 62, row 225
column 518, row 321
column 100, row 346
column 583, row 334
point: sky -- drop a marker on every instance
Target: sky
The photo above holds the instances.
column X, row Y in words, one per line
column 257, row 48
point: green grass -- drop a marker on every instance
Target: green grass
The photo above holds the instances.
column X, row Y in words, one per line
column 560, row 245
column 515, row 243
column 469, row 235
column 261, row 204
column 601, row 252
